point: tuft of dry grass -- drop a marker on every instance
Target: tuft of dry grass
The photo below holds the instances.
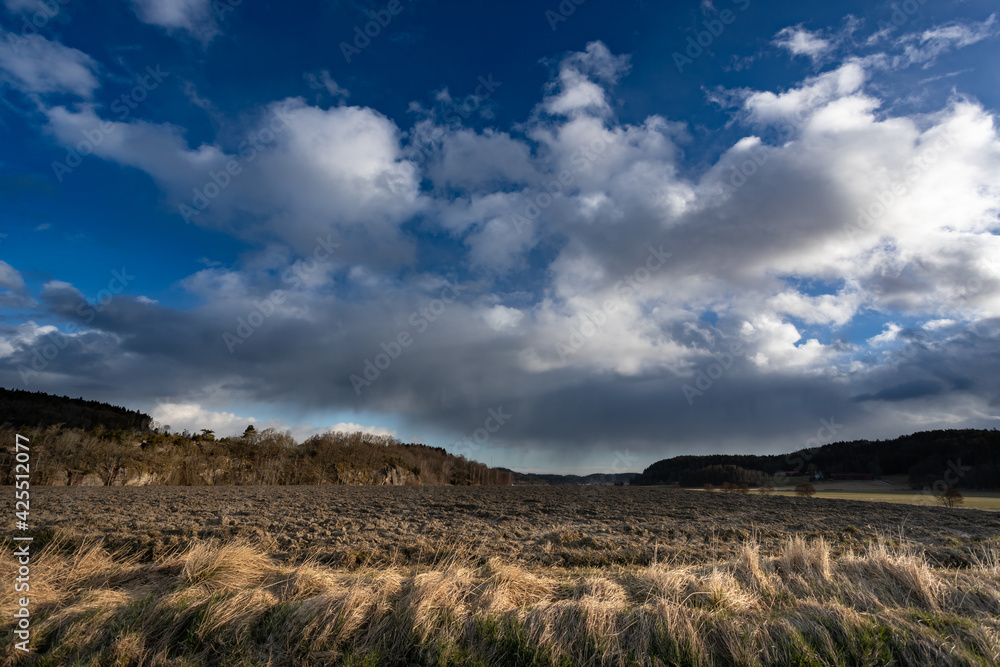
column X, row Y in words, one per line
column 230, row 603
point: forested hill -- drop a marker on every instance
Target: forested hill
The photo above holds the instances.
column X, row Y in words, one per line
column 74, row 442
column 600, row 479
column 970, row 457
column 35, row 408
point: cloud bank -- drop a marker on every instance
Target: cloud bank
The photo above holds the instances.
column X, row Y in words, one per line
column 599, row 290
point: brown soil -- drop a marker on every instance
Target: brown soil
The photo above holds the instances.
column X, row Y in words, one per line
column 552, row 526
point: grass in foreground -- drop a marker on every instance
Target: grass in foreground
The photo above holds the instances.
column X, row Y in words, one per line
column 232, row 604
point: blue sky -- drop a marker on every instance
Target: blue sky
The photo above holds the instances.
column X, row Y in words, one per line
column 222, row 212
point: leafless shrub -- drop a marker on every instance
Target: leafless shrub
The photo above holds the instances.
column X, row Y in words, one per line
column 806, row 490
column 949, row 496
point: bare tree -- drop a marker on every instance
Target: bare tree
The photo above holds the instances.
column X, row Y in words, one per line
column 949, row 496
column 805, row 490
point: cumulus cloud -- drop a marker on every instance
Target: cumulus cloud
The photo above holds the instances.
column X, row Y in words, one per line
column 582, row 78
column 193, row 16
column 300, row 173
column 826, row 213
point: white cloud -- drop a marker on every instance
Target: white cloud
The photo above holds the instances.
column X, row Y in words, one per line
column 802, row 42
column 888, row 335
column 828, row 309
column 13, row 293
column 502, row 318
column 351, row 427
column 480, row 161
column 925, row 48
column 797, row 104
column 581, row 79
column 193, row 16
column 193, row 417
column 35, row 65
column 312, row 172
column 10, row 278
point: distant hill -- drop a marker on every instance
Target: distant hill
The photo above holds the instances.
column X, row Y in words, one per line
column 35, row 408
column 966, row 458
column 79, row 442
column 567, row 480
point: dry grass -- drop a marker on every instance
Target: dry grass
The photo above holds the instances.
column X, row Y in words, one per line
column 230, row 603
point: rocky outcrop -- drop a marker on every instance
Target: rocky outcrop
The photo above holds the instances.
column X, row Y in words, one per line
column 192, row 472
column 142, row 479
column 393, row 476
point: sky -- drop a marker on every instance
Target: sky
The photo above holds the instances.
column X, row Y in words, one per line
column 564, row 237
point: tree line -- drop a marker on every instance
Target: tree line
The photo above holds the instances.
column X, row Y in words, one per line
column 35, row 408
column 73, row 456
column 966, row 458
